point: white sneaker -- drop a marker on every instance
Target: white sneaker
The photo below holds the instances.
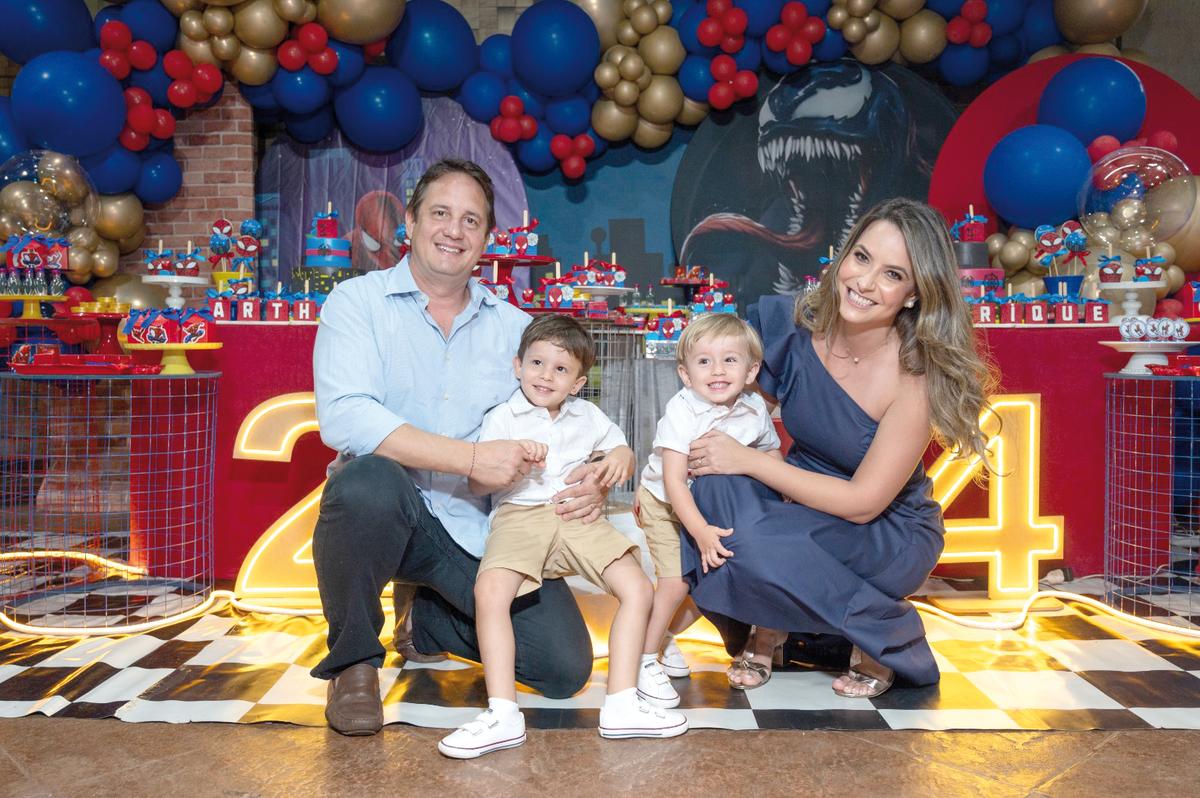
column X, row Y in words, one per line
column 641, row 720
column 655, row 686
column 486, row 733
column 672, row 661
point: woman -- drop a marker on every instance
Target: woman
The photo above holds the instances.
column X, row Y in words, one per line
column 865, row 368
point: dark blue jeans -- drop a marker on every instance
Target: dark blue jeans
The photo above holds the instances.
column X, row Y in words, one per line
column 373, row 528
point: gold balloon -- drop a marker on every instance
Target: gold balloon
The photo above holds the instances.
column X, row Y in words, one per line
column 204, row 52
column 662, row 50
column 105, row 259
column 629, row 6
column 872, row 20
column 1024, row 237
column 859, row 8
column 80, row 263
column 1175, row 278
column 1035, row 268
column 897, row 58
column 606, row 75
column 84, row 238
column 626, row 34
column 1137, row 240
column 854, row 31
column 1106, row 235
column 64, row 178
column 131, row 244
column 662, row 8
column 191, row 25
column 616, row 54
column 626, row 93
column 218, row 21
column 226, row 48
column 661, row 101
column 1175, row 196
column 181, row 7
column 923, row 36
column 613, row 122
column 257, row 24
column 310, row 12
column 8, row 225
column 693, row 113
column 1048, row 52
column 1106, row 48
column 837, row 17
column 644, row 20
column 605, row 15
column 994, row 242
column 1165, row 251
column 1027, row 283
column 35, row 210
column 253, row 67
column 1096, row 219
column 632, row 66
column 291, row 10
column 120, row 216
column 129, row 288
column 1128, row 213
column 879, row 44
column 900, row 9
column 643, row 81
column 649, row 135
column 1095, row 21
column 1013, row 256
column 360, row 21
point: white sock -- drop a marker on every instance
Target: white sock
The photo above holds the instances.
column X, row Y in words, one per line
column 668, row 639
column 622, row 699
column 503, row 708
column 649, row 658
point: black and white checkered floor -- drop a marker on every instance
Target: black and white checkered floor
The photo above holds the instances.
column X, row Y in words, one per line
column 1070, row 669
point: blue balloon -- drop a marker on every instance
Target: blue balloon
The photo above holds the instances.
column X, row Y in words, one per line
column 750, row 56
column 66, row 103
column 1004, row 51
column 831, row 47
column 300, row 92
column 160, row 178
column 962, row 64
column 695, row 78
column 433, row 45
column 534, row 155
column 761, row 15
column 555, row 47
column 12, row 140
column 495, row 55
column 678, row 9
column 33, row 27
column 115, row 170
column 535, row 105
column 106, row 14
column 591, row 92
column 351, row 63
column 381, row 112
column 1094, row 97
column 156, row 82
column 1039, row 29
column 947, row 8
column 310, row 128
column 211, row 101
column 1033, row 175
column 261, row 98
column 481, row 94
column 776, row 62
column 569, row 115
column 687, row 31
column 150, row 20
column 1005, row 15
column 818, row 8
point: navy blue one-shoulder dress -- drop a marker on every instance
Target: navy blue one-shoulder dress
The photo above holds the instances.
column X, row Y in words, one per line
column 803, row 570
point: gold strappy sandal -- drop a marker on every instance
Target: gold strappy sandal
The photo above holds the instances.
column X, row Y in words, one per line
column 869, row 673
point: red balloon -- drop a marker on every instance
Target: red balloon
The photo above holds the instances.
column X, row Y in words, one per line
column 723, row 67
column 207, row 78
column 981, row 34
column 116, row 63
column 132, row 140
column 716, row 8
column 115, row 35
column 291, row 55
column 585, row 145
column 778, row 37
column 1138, row 142
column 731, row 44
column 136, row 96
column 79, row 294
column 574, row 167
column 312, row 37
column 324, row 62
column 510, row 130
column 734, row 21
column 799, row 52
column 813, row 29
column 958, row 30
column 562, row 147
column 793, row 15
column 494, row 126
column 1102, row 146
column 375, row 49
column 1164, row 140
column 202, row 96
column 709, row 32
column 974, row 11
column 177, row 65
column 529, row 126
column 1168, row 309
column 181, row 93
column 142, row 55
column 511, row 107
column 721, row 95
column 164, row 124
column 745, row 83
column 140, row 118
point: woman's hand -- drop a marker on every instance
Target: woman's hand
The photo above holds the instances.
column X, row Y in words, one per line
column 715, row 452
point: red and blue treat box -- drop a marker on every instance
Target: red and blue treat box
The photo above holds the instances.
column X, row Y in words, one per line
column 1037, row 312
column 248, row 309
column 220, row 308
column 277, row 310
column 304, row 310
column 1097, row 312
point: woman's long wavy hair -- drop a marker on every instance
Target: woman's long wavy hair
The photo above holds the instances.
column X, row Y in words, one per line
column 936, row 336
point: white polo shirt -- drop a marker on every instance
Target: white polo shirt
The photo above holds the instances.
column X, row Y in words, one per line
column 688, row 415
column 579, row 429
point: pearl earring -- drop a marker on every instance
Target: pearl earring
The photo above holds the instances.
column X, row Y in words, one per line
column 911, row 303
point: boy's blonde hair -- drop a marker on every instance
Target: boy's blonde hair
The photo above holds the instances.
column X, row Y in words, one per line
column 718, row 325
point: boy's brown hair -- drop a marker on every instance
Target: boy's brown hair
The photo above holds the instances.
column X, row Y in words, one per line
column 718, row 325
column 562, row 331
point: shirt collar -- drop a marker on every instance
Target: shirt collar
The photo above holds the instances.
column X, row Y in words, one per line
column 699, row 405
column 520, row 405
column 400, row 281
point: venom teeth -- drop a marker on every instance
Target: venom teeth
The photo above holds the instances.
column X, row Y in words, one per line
column 774, row 154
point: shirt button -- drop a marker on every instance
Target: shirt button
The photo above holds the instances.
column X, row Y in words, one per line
column 445, row 397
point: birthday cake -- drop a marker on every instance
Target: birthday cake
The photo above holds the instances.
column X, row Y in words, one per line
column 323, row 248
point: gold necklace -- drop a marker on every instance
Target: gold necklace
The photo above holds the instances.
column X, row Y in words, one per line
column 851, row 356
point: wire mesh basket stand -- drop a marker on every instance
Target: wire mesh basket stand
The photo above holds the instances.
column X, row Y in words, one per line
column 106, row 499
column 611, row 383
column 1152, row 496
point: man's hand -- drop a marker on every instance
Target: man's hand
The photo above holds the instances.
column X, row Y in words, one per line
column 498, row 465
column 584, row 496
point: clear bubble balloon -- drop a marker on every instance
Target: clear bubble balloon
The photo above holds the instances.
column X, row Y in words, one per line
column 42, row 191
column 1122, row 188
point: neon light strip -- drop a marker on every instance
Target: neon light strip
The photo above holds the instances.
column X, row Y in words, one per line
column 90, row 559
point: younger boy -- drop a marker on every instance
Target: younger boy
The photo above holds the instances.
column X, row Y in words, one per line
column 529, row 541
column 718, row 358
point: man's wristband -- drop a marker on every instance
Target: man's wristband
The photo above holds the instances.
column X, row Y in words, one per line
column 472, row 468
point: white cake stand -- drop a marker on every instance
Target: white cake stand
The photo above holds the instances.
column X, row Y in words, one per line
column 1136, row 298
column 174, row 285
column 1147, row 353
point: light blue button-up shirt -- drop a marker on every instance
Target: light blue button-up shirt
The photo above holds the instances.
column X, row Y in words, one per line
column 381, row 361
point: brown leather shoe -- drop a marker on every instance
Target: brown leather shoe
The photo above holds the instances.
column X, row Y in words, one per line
column 402, row 600
column 353, row 706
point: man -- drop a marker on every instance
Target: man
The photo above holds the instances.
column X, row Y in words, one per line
column 406, row 362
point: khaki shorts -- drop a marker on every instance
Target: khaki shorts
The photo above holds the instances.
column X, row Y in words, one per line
column 662, row 534
column 533, row 541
